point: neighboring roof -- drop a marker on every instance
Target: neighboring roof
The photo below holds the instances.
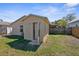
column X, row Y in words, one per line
column 4, row 23
column 24, row 18
column 76, row 20
column 52, row 23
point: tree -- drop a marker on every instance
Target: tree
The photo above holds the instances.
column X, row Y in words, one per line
column 62, row 23
column 70, row 17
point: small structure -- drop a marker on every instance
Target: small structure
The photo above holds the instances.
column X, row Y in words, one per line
column 5, row 28
column 31, row 27
column 74, row 23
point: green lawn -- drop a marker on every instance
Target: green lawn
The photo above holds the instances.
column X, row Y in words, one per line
column 55, row 45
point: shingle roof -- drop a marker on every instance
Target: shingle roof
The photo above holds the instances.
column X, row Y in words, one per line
column 4, row 23
column 37, row 15
column 43, row 17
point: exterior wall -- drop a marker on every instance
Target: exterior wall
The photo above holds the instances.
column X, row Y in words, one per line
column 27, row 27
column 9, row 30
column 16, row 28
column 74, row 24
column 44, row 31
column 5, row 30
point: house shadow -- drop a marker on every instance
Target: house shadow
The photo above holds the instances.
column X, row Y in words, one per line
column 22, row 44
column 15, row 37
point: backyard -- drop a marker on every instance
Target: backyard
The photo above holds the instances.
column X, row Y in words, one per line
column 55, row 45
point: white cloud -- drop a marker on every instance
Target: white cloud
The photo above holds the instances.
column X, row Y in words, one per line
column 9, row 15
column 71, row 4
column 48, row 11
column 70, row 10
column 53, row 12
column 70, row 7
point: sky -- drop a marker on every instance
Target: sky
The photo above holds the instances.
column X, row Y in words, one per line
column 12, row 11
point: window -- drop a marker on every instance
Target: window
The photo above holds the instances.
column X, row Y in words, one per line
column 21, row 28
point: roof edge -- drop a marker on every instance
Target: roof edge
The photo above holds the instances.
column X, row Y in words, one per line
column 28, row 16
column 18, row 19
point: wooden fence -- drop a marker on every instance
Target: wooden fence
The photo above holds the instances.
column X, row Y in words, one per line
column 59, row 30
column 75, row 32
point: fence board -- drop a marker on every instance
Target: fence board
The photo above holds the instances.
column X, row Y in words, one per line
column 75, row 32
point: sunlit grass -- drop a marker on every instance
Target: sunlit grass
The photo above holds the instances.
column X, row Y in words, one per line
column 55, row 45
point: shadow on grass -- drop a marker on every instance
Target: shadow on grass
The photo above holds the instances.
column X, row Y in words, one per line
column 15, row 37
column 22, row 44
column 58, row 34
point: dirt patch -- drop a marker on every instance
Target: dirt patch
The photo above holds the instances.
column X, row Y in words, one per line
column 70, row 40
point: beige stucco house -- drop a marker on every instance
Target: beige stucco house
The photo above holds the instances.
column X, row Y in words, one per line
column 5, row 28
column 31, row 27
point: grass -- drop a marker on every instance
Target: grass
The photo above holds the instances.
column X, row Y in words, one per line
column 55, row 45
